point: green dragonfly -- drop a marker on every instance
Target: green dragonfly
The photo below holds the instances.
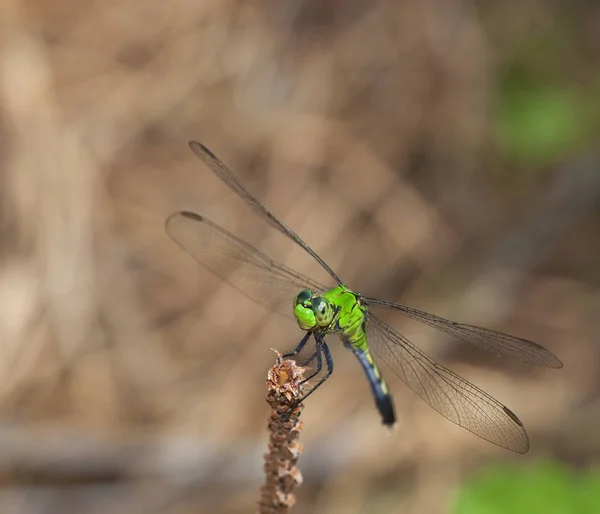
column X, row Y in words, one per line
column 321, row 311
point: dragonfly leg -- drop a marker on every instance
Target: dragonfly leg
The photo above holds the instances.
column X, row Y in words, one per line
column 319, row 356
column 323, row 349
column 310, row 359
column 299, row 347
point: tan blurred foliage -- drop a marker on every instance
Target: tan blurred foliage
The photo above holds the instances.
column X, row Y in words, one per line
column 133, row 381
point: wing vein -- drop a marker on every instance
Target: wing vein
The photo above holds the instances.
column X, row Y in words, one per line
column 455, row 398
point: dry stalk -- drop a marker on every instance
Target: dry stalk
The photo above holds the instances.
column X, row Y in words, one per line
column 282, row 476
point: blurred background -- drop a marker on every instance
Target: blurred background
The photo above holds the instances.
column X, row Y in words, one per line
column 443, row 154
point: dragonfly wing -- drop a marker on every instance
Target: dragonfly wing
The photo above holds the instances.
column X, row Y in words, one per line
column 453, row 397
column 489, row 340
column 227, row 176
column 265, row 281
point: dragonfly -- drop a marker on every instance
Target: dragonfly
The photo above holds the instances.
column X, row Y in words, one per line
column 322, row 311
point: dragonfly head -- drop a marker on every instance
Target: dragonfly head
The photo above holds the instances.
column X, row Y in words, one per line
column 312, row 311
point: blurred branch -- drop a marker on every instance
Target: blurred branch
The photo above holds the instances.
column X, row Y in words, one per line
column 53, row 455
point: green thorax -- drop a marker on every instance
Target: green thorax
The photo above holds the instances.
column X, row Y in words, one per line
column 338, row 310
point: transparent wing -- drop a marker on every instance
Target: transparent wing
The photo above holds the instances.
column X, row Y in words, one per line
column 489, row 340
column 453, row 397
column 227, row 176
column 251, row 272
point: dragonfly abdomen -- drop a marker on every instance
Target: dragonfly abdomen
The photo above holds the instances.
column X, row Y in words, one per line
column 379, row 387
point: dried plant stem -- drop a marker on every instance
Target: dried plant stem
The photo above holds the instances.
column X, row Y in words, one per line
column 282, row 475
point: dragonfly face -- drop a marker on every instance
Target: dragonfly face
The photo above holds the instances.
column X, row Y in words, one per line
column 311, row 311
column 337, row 310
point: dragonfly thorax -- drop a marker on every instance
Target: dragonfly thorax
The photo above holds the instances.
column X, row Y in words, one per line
column 312, row 311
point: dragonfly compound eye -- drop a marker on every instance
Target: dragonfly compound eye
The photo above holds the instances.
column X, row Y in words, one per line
column 303, row 298
column 323, row 311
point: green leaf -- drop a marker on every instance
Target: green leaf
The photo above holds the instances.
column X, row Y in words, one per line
column 544, row 487
column 538, row 124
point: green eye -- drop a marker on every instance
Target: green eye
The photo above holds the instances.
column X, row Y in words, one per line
column 323, row 311
column 319, row 304
column 303, row 297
